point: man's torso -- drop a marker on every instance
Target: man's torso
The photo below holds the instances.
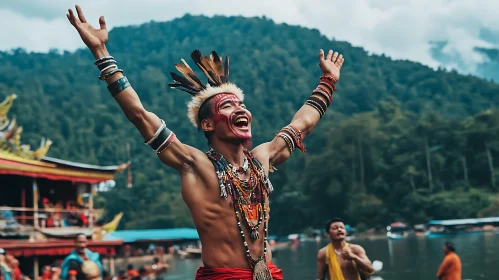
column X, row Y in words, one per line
column 215, row 220
column 347, row 267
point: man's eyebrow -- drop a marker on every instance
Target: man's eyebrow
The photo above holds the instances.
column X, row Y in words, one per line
column 231, row 101
column 225, row 102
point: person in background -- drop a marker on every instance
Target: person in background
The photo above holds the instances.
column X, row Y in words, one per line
column 5, row 271
column 46, row 272
column 450, row 269
column 159, row 265
column 56, row 270
column 13, row 263
column 81, row 263
column 340, row 260
column 132, row 272
column 144, row 274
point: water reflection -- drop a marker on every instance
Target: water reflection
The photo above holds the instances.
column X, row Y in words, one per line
column 408, row 259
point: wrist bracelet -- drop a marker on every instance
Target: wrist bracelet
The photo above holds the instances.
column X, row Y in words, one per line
column 103, row 59
column 330, row 78
column 105, row 64
column 109, row 74
column 109, row 67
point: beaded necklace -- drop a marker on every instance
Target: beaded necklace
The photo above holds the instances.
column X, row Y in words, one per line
column 248, row 197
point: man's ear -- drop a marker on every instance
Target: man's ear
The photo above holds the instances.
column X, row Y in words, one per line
column 208, row 125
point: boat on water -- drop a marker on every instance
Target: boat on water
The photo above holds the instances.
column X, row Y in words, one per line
column 446, row 228
column 397, row 231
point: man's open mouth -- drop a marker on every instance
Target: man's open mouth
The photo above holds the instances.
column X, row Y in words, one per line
column 241, row 121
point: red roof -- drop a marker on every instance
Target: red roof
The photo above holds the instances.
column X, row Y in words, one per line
column 55, row 169
column 55, row 247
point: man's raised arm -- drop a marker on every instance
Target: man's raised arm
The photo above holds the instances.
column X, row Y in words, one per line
column 150, row 126
column 292, row 135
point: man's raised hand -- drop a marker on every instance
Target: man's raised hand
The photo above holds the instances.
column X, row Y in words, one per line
column 331, row 65
column 95, row 39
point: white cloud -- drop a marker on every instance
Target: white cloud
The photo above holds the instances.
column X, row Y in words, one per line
column 401, row 29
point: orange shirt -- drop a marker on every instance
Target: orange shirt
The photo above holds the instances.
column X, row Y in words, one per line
column 133, row 273
column 450, row 269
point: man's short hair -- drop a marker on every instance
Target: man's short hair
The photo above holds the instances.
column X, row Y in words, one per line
column 78, row 235
column 450, row 246
column 156, row 260
column 205, row 112
column 334, row 220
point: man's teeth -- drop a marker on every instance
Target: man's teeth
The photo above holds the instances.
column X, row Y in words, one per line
column 241, row 121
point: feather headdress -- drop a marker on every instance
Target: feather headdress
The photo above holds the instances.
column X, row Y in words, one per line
column 217, row 73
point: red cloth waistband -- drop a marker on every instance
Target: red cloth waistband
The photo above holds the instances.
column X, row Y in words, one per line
column 205, row 273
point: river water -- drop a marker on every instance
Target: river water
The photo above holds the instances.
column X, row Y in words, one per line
column 414, row 258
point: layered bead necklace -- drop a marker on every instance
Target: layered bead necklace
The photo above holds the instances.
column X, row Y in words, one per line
column 248, row 198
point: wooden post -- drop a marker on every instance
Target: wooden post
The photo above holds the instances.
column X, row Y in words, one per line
column 23, row 204
column 111, row 265
column 91, row 208
column 35, row 205
column 36, row 269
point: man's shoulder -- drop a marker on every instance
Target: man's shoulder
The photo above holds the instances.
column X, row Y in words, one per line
column 322, row 253
column 456, row 257
column 356, row 248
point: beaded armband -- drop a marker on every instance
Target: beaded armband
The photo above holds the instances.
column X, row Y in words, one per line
column 162, row 139
column 322, row 96
column 293, row 138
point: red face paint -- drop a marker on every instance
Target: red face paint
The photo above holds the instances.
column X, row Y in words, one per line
column 222, row 99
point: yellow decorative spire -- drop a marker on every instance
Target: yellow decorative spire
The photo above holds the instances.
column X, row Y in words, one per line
column 10, row 135
column 42, row 151
column 111, row 226
column 7, row 104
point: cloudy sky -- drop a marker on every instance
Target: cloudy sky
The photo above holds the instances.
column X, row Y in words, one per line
column 402, row 29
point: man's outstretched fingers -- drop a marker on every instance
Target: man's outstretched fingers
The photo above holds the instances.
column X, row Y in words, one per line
column 341, row 62
column 102, row 22
column 338, row 60
column 335, row 55
column 329, row 54
column 74, row 21
column 321, row 54
column 80, row 14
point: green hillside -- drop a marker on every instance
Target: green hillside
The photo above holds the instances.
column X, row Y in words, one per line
column 368, row 160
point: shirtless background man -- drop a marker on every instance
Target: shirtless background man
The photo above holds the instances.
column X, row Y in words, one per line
column 227, row 125
column 350, row 258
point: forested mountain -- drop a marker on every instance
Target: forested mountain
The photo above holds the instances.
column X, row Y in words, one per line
column 391, row 125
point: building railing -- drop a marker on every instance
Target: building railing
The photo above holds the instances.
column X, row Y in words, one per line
column 48, row 217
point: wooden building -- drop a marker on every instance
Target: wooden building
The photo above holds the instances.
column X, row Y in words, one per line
column 45, row 202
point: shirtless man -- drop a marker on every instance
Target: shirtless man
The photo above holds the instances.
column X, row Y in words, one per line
column 227, row 188
column 340, row 260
